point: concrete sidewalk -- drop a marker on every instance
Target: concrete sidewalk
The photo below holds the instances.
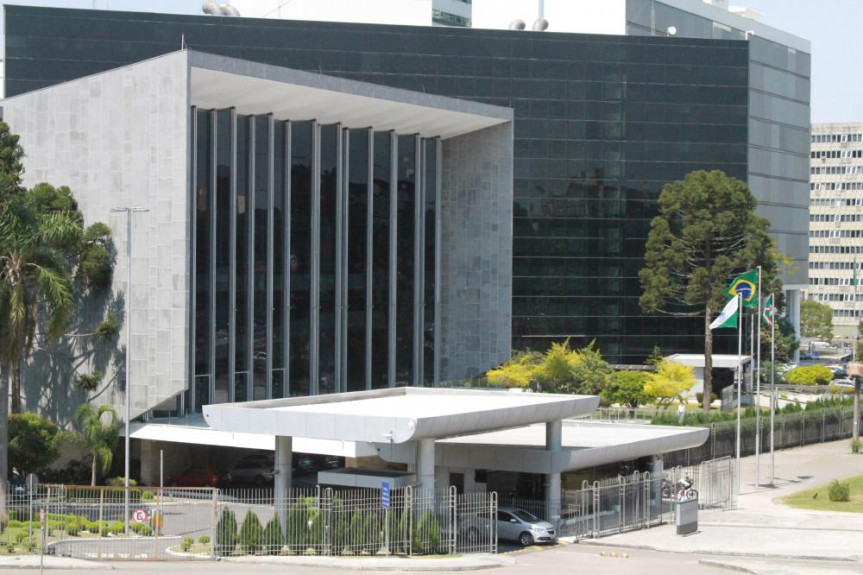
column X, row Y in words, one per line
column 462, row 563
column 51, row 562
column 763, row 527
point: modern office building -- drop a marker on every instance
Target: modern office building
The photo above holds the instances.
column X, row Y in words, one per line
column 306, row 234
column 601, row 124
column 836, row 222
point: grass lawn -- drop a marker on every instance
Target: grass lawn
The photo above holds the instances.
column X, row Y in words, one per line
column 807, row 500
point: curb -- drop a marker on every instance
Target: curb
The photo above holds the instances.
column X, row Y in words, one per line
column 378, row 564
column 842, row 559
column 721, row 565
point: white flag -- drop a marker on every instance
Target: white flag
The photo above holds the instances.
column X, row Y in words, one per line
column 728, row 316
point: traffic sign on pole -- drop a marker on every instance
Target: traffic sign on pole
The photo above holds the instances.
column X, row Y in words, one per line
column 385, row 495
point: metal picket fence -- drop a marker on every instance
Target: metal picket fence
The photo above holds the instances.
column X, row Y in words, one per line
column 637, row 501
column 205, row 523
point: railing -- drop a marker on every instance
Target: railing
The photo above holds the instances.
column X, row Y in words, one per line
column 192, row 523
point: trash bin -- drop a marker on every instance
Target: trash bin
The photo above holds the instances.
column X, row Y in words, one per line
column 686, row 516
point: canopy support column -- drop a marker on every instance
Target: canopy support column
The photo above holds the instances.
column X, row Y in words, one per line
column 425, row 464
column 282, row 487
column 553, row 442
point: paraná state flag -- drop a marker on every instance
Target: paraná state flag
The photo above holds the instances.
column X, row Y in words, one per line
column 727, row 317
column 745, row 285
column 768, row 314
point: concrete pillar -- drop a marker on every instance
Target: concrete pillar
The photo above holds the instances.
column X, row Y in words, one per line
column 657, row 469
column 425, row 464
column 282, row 481
column 553, row 442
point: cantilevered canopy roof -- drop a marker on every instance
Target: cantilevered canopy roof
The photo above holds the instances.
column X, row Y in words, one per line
column 254, row 88
column 396, row 415
column 719, row 360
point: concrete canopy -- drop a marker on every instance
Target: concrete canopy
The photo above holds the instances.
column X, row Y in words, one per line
column 254, row 88
column 396, row 415
column 719, row 360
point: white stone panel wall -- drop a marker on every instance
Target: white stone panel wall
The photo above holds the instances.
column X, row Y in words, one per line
column 118, row 138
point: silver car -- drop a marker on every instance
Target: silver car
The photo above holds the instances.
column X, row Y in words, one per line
column 526, row 528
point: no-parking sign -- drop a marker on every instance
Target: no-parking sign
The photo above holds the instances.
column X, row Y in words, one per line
column 139, row 516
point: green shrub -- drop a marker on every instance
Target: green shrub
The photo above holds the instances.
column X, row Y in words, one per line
column 204, row 539
column 839, row 491
column 700, row 397
column 226, row 533
column 856, row 445
column 117, row 528
column 119, row 482
column 427, row 534
column 147, row 496
column 186, row 544
column 15, row 523
column 73, row 527
column 809, row 375
column 274, row 537
column 20, row 536
column 372, row 533
column 296, row 532
column 141, row 529
column 251, row 533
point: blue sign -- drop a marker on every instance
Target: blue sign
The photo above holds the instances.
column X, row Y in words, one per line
column 385, row 495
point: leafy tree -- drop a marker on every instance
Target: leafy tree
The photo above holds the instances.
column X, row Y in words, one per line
column 97, row 434
column 786, row 340
column 809, row 375
column 627, row 388
column 32, row 442
column 816, row 320
column 705, row 235
column 669, row 382
column 565, row 370
column 519, row 371
column 43, row 247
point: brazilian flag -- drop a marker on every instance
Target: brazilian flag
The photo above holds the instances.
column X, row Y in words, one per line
column 746, row 286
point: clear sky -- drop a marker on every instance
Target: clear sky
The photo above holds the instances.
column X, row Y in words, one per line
column 833, row 27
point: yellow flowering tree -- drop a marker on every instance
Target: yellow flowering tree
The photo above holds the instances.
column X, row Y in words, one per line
column 669, row 381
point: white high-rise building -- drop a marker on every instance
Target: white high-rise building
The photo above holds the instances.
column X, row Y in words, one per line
column 836, row 221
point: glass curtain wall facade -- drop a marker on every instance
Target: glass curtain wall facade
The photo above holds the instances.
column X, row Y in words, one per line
column 309, row 244
column 601, row 124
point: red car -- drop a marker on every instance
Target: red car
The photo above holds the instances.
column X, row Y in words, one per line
column 198, row 477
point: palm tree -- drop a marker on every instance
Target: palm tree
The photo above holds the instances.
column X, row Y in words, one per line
column 96, row 435
column 35, row 279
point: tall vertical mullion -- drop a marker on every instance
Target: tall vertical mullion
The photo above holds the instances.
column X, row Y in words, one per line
column 393, row 302
column 339, row 276
column 193, row 259
column 213, row 249
column 370, row 217
column 314, row 294
column 286, row 265
column 419, row 245
column 270, row 232
column 250, row 276
column 232, row 294
column 438, row 240
column 345, row 206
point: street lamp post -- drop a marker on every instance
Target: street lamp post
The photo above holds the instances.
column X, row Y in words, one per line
column 128, row 211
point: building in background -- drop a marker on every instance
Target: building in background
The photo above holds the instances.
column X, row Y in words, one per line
column 836, row 222
column 404, row 12
column 779, row 79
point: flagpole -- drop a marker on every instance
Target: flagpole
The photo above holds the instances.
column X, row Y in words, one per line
column 739, row 383
column 757, row 326
column 772, row 386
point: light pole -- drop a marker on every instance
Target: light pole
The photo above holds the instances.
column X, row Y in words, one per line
column 128, row 211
